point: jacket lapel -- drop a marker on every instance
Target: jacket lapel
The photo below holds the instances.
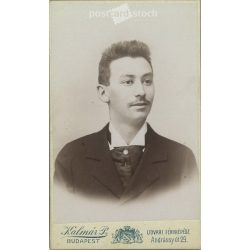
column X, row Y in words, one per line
column 147, row 172
column 103, row 170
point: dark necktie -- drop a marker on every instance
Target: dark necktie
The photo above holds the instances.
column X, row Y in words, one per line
column 126, row 160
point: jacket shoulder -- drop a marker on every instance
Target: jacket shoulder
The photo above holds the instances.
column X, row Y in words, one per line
column 63, row 164
column 170, row 145
column 76, row 146
column 176, row 152
column 181, row 160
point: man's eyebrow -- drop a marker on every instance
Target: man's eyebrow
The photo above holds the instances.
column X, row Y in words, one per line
column 128, row 75
column 148, row 74
column 132, row 76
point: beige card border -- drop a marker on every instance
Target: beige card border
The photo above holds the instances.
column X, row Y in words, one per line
column 188, row 229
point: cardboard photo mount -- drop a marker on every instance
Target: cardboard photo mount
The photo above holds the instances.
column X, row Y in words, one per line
column 91, row 205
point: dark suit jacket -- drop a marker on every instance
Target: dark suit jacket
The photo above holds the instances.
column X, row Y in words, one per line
column 85, row 166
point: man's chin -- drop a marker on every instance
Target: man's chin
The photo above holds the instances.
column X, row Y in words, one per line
column 139, row 117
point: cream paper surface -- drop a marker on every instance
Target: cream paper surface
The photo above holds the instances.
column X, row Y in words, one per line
column 78, row 35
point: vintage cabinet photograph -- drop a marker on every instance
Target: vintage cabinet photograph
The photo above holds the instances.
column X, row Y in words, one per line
column 125, row 124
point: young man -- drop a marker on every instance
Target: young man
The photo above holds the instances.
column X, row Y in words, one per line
column 126, row 160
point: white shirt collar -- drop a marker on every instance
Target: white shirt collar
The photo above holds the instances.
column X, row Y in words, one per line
column 118, row 141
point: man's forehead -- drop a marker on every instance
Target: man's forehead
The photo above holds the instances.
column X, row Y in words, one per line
column 130, row 66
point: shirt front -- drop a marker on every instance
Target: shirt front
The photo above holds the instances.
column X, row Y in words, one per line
column 118, row 141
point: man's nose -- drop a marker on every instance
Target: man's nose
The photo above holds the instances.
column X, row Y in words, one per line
column 139, row 89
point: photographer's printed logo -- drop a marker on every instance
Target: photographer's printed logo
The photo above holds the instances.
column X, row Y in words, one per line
column 122, row 13
column 81, row 234
column 127, row 235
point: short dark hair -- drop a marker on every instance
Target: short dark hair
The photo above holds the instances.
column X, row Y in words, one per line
column 118, row 50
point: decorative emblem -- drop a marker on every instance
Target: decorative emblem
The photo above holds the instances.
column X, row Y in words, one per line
column 127, row 235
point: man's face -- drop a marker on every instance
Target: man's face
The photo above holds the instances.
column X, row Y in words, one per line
column 131, row 89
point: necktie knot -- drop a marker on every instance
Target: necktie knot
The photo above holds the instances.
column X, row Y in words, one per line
column 126, row 159
column 127, row 154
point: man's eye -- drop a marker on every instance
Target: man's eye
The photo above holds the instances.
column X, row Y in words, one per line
column 147, row 81
column 128, row 82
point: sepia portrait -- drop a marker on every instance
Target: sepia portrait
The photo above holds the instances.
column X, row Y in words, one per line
column 125, row 101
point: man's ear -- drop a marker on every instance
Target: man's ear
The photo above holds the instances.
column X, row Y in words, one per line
column 102, row 91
